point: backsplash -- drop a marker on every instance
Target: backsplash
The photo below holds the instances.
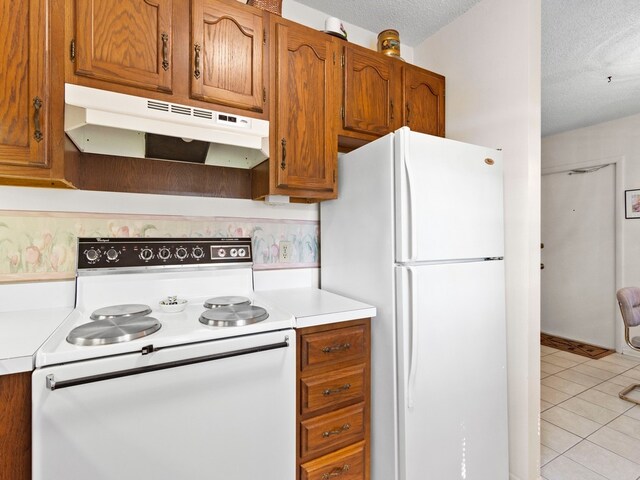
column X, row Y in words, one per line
column 37, row 245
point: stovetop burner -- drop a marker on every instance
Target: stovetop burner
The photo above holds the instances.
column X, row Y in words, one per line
column 130, row 310
column 125, row 277
column 233, row 316
column 115, row 330
column 226, row 301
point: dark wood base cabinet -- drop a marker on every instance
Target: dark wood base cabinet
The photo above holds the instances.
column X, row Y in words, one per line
column 334, row 401
column 15, row 426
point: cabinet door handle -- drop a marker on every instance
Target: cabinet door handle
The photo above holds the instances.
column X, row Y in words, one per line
column 336, row 472
column 391, row 109
column 165, row 50
column 37, row 105
column 408, row 113
column 196, row 61
column 283, row 163
column 337, row 431
column 337, row 348
column 333, row 391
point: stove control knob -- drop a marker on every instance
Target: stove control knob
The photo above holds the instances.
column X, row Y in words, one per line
column 164, row 253
column 112, row 254
column 222, row 252
column 233, row 252
column 242, row 252
column 92, row 254
column 197, row 253
column 181, row 253
column 146, row 254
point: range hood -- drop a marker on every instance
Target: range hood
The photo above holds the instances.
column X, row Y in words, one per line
column 99, row 121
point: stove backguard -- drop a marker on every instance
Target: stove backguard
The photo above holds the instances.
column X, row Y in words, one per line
column 98, row 254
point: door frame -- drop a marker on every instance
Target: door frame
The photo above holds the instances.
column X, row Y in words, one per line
column 619, row 163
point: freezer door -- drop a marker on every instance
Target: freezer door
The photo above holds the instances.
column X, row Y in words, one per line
column 452, row 372
column 448, row 199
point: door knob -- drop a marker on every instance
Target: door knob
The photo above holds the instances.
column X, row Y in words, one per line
column 542, row 266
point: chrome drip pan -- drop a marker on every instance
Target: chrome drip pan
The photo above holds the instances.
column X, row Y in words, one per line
column 105, row 332
column 128, row 310
column 226, row 301
column 233, row 316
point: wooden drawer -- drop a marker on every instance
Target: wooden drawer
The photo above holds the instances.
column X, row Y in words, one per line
column 332, row 388
column 332, row 430
column 346, row 464
column 325, row 348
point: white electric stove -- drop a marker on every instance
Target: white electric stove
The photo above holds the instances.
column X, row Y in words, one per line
column 128, row 388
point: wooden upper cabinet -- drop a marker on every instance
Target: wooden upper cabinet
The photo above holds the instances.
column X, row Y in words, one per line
column 127, row 42
column 424, row 100
column 24, row 99
column 227, row 54
column 371, row 99
column 304, row 147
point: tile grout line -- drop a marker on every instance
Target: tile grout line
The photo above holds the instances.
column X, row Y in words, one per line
column 583, row 439
column 600, row 446
column 595, row 404
column 574, row 396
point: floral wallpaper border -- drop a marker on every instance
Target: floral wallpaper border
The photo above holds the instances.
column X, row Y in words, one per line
column 37, row 245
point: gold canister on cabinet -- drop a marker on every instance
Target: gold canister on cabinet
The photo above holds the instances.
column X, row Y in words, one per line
column 389, row 43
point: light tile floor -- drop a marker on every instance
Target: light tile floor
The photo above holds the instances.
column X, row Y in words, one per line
column 587, row 432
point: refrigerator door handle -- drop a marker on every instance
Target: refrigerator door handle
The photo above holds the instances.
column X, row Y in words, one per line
column 413, row 239
column 413, row 361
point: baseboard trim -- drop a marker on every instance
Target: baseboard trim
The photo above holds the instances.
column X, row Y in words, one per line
column 515, row 477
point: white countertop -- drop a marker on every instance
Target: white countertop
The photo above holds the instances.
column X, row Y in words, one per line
column 313, row 306
column 23, row 328
column 23, row 331
column 21, row 334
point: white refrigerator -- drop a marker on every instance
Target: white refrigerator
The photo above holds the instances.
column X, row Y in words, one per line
column 418, row 232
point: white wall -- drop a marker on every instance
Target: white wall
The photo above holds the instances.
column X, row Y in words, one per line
column 618, row 141
column 490, row 57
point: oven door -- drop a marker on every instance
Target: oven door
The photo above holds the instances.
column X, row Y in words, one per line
column 216, row 410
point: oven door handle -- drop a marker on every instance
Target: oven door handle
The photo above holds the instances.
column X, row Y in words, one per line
column 53, row 384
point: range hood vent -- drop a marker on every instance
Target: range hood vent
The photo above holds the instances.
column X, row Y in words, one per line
column 99, row 121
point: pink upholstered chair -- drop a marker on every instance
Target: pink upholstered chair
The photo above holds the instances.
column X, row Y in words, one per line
column 629, row 301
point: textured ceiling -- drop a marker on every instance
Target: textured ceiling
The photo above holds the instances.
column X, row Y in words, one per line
column 583, row 43
column 414, row 19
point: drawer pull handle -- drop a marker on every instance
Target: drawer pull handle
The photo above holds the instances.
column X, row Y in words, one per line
column 337, row 348
column 337, row 431
column 341, row 389
column 336, row 472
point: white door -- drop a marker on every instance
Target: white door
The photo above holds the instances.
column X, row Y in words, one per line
column 578, row 234
column 448, row 200
column 452, row 372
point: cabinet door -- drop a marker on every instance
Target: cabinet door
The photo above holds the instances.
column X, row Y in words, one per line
column 15, row 412
column 368, row 91
column 127, row 42
column 306, row 148
column 227, row 42
column 424, row 101
column 24, row 103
